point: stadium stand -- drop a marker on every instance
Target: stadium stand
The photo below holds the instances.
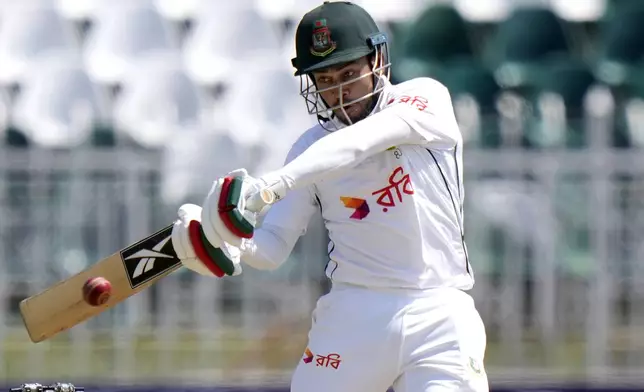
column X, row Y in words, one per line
column 94, row 95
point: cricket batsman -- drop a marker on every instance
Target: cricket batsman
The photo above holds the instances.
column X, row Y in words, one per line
column 384, row 168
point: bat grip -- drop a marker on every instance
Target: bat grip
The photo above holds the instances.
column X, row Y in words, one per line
column 259, row 200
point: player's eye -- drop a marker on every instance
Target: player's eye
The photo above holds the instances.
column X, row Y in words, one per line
column 324, row 80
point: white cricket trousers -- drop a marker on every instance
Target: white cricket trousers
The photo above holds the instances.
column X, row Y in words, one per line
column 367, row 340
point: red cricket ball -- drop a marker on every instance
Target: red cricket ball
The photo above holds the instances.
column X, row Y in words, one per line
column 96, row 291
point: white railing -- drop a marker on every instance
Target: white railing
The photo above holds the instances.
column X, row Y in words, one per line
column 554, row 238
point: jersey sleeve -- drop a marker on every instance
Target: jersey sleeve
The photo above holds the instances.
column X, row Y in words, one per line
column 426, row 109
column 283, row 224
column 420, row 115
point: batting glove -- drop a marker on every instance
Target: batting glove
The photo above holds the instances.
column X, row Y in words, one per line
column 207, row 257
column 225, row 215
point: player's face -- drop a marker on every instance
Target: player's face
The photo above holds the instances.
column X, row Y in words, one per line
column 334, row 76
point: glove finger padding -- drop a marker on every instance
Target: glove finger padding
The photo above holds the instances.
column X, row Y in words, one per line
column 197, row 266
column 223, row 257
column 231, row 205
column 224, row 217
column 197, row 253
column 201, row 248
column 183, row 244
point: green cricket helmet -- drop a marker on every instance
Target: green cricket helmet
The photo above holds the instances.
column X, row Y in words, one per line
column 332, row 34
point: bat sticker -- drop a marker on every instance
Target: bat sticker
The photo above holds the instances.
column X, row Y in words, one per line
column 150, row 258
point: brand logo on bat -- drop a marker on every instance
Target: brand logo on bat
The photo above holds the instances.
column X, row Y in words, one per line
column 150, row 258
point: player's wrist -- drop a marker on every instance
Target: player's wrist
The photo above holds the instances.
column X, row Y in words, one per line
column 275, row 183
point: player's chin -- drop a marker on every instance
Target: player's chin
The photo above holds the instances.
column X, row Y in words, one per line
column 355, row 112
column 359, row 115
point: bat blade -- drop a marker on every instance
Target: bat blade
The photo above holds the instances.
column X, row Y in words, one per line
column 130, row 270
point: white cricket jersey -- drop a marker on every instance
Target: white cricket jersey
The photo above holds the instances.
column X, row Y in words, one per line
column 390, row 191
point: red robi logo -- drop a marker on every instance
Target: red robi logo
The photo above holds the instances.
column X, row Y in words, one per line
column 332, row 360
column 416, row 101
column 399, row 183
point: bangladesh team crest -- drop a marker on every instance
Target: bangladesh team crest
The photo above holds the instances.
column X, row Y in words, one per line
column 322, row 43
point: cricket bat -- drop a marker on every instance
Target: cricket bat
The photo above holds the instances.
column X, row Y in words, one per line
column 130, row 270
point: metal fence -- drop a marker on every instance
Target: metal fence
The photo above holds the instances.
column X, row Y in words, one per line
column 554, row 236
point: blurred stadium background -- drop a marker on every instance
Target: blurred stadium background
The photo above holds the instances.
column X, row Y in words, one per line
column 114, row 112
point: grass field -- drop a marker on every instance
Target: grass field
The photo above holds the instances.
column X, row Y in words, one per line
column 227, row 358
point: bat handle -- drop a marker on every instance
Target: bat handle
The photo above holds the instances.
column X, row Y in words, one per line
column 258, row 200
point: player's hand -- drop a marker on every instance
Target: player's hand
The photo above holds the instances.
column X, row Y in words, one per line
column 225, row 215
column 201, row 255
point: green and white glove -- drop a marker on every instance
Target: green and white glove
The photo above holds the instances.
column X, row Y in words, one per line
column 207, row 257
column 231, row 209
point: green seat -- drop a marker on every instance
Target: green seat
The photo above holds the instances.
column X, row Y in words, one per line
column 102, row 136
column 558, row 106
column 409, row 68
column 14, row 138
column 474, row 80
column 614, row 7
column 528, row 39
column 622, row 44
column 397, row 31
column 437, row 36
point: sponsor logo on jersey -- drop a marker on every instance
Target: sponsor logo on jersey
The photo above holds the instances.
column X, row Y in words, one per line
column 399, row 185
column 360, row 207
column 150, row 258
column 416, row 101
column 332, row 360
column 308, row 356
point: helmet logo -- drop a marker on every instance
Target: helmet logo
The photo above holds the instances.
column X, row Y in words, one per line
column 322, row 43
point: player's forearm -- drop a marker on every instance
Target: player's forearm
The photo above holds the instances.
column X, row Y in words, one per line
column 404, row 121
column 266, row 250
column 344, row 149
